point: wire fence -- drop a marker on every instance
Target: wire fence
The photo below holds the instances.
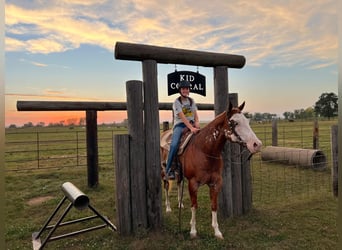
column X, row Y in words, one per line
column 275, row 180
column 54, row 149
column 58, row 148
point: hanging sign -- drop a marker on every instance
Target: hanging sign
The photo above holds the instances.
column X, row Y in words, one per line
column 196, row 80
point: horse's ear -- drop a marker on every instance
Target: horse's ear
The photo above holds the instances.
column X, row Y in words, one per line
column 242, row 106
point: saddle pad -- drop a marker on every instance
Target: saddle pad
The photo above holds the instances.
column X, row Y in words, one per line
column 167, row 137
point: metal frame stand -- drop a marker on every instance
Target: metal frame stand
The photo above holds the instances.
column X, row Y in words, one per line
column 79, row 201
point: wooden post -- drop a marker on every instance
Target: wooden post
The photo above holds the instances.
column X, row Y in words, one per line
column 220, row 105
column 166, row 126
column 246, row 177
column 92, row 148
column 334, row 153
column 275, row 133
column 137, row 154
column 235, row 156
column 123, row 185
column 99, row 106
column 141, row 52
column 315, row 137
column 152, row 144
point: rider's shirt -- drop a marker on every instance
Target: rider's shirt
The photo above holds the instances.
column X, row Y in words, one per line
column 186, row 107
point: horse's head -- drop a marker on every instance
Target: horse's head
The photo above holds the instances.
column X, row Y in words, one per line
column 240, row 131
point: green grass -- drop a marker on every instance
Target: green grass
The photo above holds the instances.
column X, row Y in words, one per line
column 298, row 222
column 293, row 208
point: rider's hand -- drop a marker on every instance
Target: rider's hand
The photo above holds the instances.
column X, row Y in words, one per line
column 194, row 130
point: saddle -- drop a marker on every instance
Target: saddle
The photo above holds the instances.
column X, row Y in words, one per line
column 166, row 140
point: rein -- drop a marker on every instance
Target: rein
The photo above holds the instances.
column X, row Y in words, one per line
column 232, row 124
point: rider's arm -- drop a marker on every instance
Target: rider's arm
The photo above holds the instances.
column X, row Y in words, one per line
column 197, row 125
column 187, row 123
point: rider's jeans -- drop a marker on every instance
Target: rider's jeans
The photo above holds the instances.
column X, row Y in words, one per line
column 176, row 136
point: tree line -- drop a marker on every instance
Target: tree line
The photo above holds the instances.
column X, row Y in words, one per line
column 325, row 107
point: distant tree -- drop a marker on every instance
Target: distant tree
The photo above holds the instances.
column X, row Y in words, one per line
column 28, row 125
column 12, row 126
column 327, row 105
column 71, row 121
column 286, row 115
column 248, row 115
column 258, row 116
column 40, row 124
column 309, row 113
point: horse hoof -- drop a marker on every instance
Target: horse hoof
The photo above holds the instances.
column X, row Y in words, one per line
column 219, row 236
column 193, row 235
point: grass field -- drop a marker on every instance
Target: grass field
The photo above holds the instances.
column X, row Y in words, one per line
column 293, row 208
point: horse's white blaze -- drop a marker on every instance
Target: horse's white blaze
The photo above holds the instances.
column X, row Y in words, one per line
column 246, row 134
column 193, row 231
column 214, row 224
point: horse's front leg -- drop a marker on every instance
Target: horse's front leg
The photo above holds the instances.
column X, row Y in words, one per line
column 180, row 194
column 214, row 190
column 193, row 187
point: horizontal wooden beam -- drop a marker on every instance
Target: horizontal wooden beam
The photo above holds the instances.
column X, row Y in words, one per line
column 82, row 106
column 141, row 52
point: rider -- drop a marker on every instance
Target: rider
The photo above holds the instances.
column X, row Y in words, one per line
column 185, row 115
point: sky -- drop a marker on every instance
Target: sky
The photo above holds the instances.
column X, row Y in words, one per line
column 63, row 50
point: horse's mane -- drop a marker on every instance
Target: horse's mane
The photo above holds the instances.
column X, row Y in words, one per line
column 216, row 124
column 219, row 119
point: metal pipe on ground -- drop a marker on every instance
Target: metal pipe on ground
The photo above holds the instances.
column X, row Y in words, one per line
column 75, row 196
column 311, row 158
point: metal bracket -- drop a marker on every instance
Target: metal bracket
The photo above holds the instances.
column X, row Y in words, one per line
column 80, row 201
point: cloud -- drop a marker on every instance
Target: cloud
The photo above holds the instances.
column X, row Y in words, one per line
column 50, row 95
column 281, row 33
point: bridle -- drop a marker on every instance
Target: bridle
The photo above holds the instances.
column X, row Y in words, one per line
column 232, row 125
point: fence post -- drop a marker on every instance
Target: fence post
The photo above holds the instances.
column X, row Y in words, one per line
column 38, row 150
column 315, row 137
column 334, row 153
column 137, row 154
column 92, row 148
column 152, row 144
column 123, row 184
column 235, row 157
column 274, row 132
column 166, row 126
column 220, row 105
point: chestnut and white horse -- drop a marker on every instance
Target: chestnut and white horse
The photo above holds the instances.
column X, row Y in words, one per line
column 202, row 162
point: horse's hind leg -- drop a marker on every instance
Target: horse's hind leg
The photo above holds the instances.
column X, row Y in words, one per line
column 193, row 187
column 167, row 197
column 193, row 231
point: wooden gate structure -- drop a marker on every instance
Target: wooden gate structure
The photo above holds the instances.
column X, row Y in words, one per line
column 138, row 155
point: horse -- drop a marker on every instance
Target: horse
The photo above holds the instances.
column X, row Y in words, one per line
column 201, row 160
